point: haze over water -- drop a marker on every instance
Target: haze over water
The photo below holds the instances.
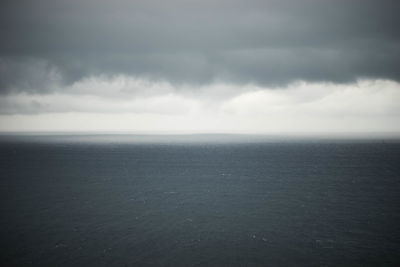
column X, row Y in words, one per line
column 120, row 200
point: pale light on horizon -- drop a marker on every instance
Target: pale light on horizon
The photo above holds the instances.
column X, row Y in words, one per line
column 128, row 104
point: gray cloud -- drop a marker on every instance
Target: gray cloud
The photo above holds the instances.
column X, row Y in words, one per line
column 197, row 42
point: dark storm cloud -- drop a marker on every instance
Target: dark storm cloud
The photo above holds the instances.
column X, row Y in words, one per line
column 197, row 42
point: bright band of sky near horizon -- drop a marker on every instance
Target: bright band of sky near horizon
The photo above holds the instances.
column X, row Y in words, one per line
column 127, row 104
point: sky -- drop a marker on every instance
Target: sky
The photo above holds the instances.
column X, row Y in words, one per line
column 287, row 66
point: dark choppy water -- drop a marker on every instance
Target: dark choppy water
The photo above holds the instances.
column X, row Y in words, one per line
column 292, row 203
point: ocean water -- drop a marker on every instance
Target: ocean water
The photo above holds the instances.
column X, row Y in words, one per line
column 198, row 201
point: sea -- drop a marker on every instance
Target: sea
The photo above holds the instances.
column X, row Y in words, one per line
column 198, row 200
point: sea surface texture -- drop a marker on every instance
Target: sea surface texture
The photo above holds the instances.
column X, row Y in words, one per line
column 113, row 201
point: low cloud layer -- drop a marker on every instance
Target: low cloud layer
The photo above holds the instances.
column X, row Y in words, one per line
column 269, row 43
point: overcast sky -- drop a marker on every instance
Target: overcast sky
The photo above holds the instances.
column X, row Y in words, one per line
column 200, row 66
